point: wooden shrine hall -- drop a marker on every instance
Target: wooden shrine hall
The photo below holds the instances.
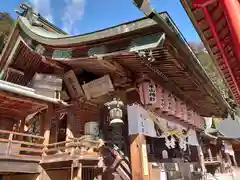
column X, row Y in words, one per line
column 74, row 105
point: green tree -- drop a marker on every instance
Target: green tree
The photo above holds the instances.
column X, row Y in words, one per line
column 6, row 25
column 210, row 67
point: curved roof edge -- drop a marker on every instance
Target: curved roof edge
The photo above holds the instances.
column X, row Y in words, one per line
column 62, row 40
column 37, row 19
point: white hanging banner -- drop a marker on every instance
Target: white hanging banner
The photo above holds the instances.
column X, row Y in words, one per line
column 228, row 149
column 192, row 138
column 141, row 121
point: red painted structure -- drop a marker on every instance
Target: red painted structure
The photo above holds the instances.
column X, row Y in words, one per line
column 218, row 23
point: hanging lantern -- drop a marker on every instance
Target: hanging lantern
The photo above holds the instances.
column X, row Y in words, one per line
column 172, row 105
column 178, row 109
column 115, row 111
column 190, row 116
column 165, row 101
column 148, row 93
column 159, row 101
column 195, row 119
column 184, row 112
column 201, row 122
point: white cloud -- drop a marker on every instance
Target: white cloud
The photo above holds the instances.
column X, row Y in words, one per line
column 73, row 12
column 43, row 7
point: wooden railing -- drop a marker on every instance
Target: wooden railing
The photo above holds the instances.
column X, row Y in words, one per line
column 54, row 148
column 16, row 144
column 30, row 147
column 80, row 145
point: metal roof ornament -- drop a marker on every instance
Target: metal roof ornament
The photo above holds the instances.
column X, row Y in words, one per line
column 143, row 5
column 28, row 12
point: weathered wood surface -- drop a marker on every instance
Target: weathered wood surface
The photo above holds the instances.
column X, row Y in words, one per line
column 9, row 147
column 19, row 150
column 139, row 161
column 74, row 149
column 18, row 166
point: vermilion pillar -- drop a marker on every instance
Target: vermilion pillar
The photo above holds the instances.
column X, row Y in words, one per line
column 231, row 10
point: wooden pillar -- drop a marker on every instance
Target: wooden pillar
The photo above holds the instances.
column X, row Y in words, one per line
column 200, row 153
column 47, row 123
column 21, row 128
column 70, row 131
column 79, row 173
column 201, row 159
column 220, row 155
column 139, row 159
column 22, row 124
column 229, row 158
column 234, row 160
column 55, row 127
column 210, row 154
column 42, row 123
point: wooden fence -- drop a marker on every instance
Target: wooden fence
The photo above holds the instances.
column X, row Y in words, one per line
column 31, row 147
column 14, row 144
column 74, row 144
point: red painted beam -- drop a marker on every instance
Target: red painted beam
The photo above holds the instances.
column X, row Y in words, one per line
column 231, row 10
column 221, row 17
column 224, row 27
column 200, row 20
column 213, row 46
column 214, row 32
column 202, row 3
column 206, row 29
column 214, row 9
column 210, row 38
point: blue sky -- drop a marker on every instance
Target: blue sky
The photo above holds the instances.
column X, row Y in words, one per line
column 82, row 16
